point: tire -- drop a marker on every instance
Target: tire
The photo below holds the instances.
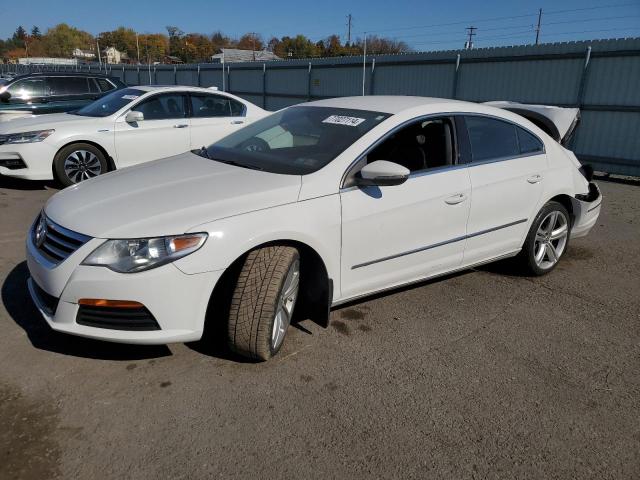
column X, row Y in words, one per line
column 266, row 289
column 542, row 250
column 78, row 162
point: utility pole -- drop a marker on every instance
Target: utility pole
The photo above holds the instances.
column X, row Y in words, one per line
column 539, row 26
column 349, row 19
column 471, row 31
column 138, row 48
column 99, row 56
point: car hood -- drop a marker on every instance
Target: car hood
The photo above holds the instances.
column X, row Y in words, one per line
column 168, row 196
column 41, row 122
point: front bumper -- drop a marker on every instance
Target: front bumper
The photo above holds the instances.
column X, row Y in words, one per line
column 177, row 301
column 37, row 157
column 586, row 210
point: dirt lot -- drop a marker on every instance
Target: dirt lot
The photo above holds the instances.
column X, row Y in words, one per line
column 485, row 374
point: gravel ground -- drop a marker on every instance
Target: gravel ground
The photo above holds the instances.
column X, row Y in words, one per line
column 484, row 374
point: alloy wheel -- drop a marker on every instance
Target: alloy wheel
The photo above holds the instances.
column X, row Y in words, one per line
column 551, row 239
column 82, row 165
column 285, row 305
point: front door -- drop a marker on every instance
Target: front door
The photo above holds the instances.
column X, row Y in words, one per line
column 396, row 234
column 163, row 132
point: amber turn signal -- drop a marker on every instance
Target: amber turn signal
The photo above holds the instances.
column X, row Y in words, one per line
column 100, row 302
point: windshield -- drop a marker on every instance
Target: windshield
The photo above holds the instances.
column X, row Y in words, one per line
column 294, row 141
column 110, row 104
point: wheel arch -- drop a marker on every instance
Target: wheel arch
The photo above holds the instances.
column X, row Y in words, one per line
column 567, row 202
column 316, row 288
column 110, row 162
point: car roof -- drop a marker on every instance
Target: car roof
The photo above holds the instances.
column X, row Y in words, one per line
column 182, row 88
column 62, row 74
column 387, row 103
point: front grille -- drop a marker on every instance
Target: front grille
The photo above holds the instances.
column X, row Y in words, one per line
column 116, row 318
column 48, row 302
column 57, row 242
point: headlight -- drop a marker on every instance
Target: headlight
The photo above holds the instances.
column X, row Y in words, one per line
column 28, row 137
column 136, row 255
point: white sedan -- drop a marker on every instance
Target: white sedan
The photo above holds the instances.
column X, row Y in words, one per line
column 310, row 207
column 124, row 128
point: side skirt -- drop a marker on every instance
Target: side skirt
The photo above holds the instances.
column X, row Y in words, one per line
column 428, row 277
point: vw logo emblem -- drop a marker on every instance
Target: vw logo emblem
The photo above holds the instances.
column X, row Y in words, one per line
column 41, row 231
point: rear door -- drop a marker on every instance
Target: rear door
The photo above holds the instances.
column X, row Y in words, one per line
column 163, row 132
column 507, row 174
column 213, row 117
column 67, row 93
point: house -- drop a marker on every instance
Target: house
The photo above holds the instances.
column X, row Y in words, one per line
column 83, row 54
column 231, row 55
column 113, row 55
column 171, row 59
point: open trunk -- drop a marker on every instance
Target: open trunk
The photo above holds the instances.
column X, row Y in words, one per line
column 558, row 122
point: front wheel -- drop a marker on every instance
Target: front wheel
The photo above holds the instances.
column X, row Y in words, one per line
column 263, row 301
column 547, row 239
column 78, row 162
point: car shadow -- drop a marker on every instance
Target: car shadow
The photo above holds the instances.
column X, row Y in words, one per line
column 18, row 304
column 11, row 183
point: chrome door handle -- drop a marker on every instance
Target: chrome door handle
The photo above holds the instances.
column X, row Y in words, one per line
column 237, row 122
column 455, row 199
column 182, row 125
column 534, row 179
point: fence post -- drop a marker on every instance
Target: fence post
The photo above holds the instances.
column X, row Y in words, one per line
column 373, row 69
column 309, row 84
column 139, row 83
column 455, row 78
column 198, row 75
column 583, row 78
column 264, row 86
column 155, row 75
column 228, row 78
column 124, row 76
column 175, row 75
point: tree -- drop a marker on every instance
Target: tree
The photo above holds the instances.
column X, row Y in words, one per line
column 250, row 41
column 35, row 32
column 61, row 40
column 295, row 47
column 153, row 47
column 20, row 33
column 382, row 45
column 122, row 39
column 220, row 41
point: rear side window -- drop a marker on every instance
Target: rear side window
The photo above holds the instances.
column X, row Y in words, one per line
column 491, row 138
column 67, row 86
column 93, row 86
column 104, row 84
column 203, row 106
column 528, row 142
column 237, row 108
column 26, row 89
column 161, row 107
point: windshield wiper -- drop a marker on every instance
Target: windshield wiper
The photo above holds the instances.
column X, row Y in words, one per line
column 203, row 152
column 236, row 164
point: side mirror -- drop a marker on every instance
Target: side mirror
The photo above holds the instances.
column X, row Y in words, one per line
column 5, row 96
column 134, row 117
column 382, row 173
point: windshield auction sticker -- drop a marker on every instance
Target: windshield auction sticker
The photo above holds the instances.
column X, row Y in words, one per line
column 130, row 97
column 342, row 120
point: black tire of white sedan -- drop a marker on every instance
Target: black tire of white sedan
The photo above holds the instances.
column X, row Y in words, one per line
column 263, row 301
column 547, row 240
column 78, row 162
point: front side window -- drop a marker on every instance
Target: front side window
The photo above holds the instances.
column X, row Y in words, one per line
column 162, row 107
column 421, row 145
column 491, row 138
column 26, row 89
column 58, row 86
column 295, row 141
column 110, row 103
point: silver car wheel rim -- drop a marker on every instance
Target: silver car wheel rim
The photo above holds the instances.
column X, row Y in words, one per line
column 551, row 240
column 82, row 165
column 286, row 303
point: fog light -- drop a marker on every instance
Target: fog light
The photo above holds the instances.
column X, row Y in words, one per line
column 100, row 302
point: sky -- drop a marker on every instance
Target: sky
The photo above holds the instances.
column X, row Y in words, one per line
column 424, row 25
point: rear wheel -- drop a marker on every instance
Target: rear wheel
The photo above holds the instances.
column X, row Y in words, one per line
column 547, row 239
column 263, row 301
column 78, row 162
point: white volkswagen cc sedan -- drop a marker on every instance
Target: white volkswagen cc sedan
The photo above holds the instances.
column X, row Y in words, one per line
column 315, row 205
column 124, row 128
